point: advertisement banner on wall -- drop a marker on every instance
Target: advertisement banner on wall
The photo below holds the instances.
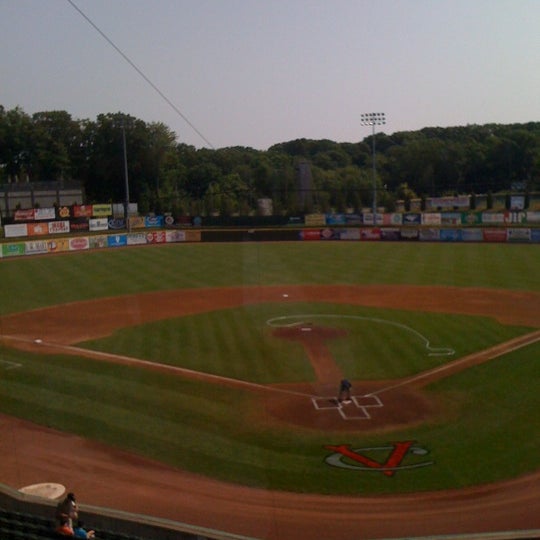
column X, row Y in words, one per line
column 79, row 243
column 44, row 214
column 428, row 235
column 331, row 219
column 153, row 221
column 450, row 235
column 85, row 210
column 471, row 218
column 315, row 220
column 494, row 235
column 35, row 247
column 97, row 242
column 136, row 239
column 450, row 218
column 349, row 234
column 137, row 222
column 393, row 219
column 193, row 236
column 24, row 215
column 472, row 235
column 370, row 234
column 533, row 217
column 37, row 229
column 99, row 224
column 57, row 245
column 409, row 234
column 518, row 235
column 63, row 212
column 390, row 235
column 80, row 224
column 411, row 218
column 493, row 218
column 156, row 237
column 101, row 210
column 14, row 231
column 13, row 250
column 58, row 227
column 535, row 235
column 175, row 236
column 431, row 219
column 117, row 240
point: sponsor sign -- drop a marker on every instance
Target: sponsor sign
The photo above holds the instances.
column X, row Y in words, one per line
column 310, row 234
column 518, row 235
column 331, row 219
column 412, row 218
column 428, row 235
column 193, row 236
column 367, row 219
column 24, row 215
column 450, row 235
column 137, row 222
column 409, row 234
column 136, row 239
column 460, row 201
column 97, row 242
column 315, row 220
column 517, row 202
column 472, row 235
column 81, row 242
column 471, row 218
column 35, row 247
column 116, row 224
column 101, row 210
column 175, row 236
column 44, row 214
column 353, row 219
column 80, row 224
column 13, row 250
column 450, row 218
column 57, row 245
column 494, row 235
column 156, row 237
column 370, row 234
column 153, row 221
column 83, row 211
column 37, row 229
column 349, row 234
column 13, row 231
column 393, row 219
column 533, row 217
column 431, row 218
column 493, row 218
column 390, row 235
column 535, row 235
column 64, row 212
column 58, row 227
column 117, row 240
column 99, row 224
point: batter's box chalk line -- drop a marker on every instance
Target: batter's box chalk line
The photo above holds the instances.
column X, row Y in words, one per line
column 357, row 409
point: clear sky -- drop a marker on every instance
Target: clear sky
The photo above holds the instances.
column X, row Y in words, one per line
column 259, row 72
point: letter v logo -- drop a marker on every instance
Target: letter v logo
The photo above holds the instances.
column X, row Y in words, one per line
column 395, row 454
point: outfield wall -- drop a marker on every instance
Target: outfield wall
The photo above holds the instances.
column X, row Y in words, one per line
column 521, row 235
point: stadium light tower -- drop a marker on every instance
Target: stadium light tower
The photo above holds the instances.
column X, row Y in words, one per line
column 124, row 124
column 373, row 119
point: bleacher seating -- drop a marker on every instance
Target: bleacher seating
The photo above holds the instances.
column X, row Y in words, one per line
column 24, row 526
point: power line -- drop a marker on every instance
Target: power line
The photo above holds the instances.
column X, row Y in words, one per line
column 140, row 72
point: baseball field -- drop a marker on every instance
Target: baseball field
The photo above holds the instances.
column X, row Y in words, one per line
column 223, row 361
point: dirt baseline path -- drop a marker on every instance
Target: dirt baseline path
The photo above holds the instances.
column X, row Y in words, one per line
column 110, row 478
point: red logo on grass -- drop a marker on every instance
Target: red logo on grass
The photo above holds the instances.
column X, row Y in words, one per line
column 362, row 459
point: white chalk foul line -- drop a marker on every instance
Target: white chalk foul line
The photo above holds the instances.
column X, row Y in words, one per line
column 494, row 352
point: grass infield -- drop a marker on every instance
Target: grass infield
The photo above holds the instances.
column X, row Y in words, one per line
column 489, row 431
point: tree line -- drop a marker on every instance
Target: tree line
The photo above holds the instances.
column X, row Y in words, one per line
column 166, row 175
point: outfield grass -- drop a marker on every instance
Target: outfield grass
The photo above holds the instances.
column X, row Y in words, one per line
column 491, row 431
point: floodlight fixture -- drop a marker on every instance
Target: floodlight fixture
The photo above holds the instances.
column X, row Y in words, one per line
column 373, row 119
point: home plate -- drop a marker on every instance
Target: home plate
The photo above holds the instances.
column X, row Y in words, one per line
column 306, row 329
column 45, row 490
column 38, row 340
column 285, row 295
